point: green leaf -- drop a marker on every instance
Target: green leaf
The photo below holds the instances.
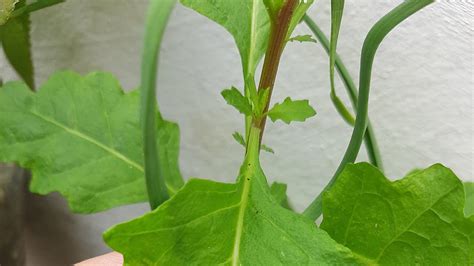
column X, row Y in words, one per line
column 278, row 191
column 6, row 8
column 211, row 223
column 81, row 136
column 234, row 98
column 239, row 138
column 469, row 190
column 302, row 38
column 15, row 40
column 290, row 110
column 267, row 149
column 298, row 15
column 246, row 20
column 415, row 220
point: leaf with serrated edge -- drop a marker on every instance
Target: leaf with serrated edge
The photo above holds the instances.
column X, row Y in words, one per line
column 234, row 98
column 81, row 136
column 291, row 110
column 246, row 20
column 210, row 223
column 416, row 220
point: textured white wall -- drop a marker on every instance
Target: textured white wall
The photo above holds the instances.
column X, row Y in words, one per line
column 421, row 101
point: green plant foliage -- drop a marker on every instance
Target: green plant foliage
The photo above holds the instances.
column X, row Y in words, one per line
column 302, row 38
column 469, row 190
column 15, row 40
column 411, row 221
column 278, row 191
column 290, row 110
column 246, row 20
column 210, row 223
column 81, row 136
column 240, row 139
column 234, row 98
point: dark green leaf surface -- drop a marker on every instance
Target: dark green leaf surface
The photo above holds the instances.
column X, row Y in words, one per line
column 469, row 190
column 81, row 136
column 246, row 20
column 234, row 98
column 290, row 110
column 15, row 40
column 417, row 220
column 210, row 223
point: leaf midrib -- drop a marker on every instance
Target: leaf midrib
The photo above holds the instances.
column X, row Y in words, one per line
column 90, row 139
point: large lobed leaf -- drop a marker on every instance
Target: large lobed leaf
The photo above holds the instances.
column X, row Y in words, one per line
column 417, row 220
column 469, row 190
column 210, row 223
column 81, row 136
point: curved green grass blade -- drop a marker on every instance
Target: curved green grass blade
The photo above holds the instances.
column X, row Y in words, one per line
column 369, row 136
column 158, row 14
column 337, row 9
column 371, row 43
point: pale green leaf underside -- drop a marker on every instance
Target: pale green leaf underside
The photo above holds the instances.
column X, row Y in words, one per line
column 6, row 8
column 417, row 220
column 469, row 190
column 291, row 110
column 210, row 223
column 81, row 136
column 246, row 20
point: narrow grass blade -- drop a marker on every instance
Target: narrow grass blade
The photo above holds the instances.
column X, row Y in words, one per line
column 369, row 137
column 158, row 14
column 371, row 43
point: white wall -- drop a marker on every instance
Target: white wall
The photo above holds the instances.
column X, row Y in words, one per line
column 421, row 104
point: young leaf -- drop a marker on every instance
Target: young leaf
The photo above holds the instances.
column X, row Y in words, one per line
column 469, row 190
column 418, row 219
column 264, row 147
column 290, row 110
column 302, row 38
column 246, row 20
column 15, row 40
column 210, row 223
column 234, row 98
column 298, row 15
column 239, row 138
column 6, row 8
column 81, row 136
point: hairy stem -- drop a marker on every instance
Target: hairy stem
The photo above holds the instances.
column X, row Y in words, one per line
column 279, row 30
column 369, row 137
column 375, row 36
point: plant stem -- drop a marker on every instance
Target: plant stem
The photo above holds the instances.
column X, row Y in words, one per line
column 375, row 36
column 369, row 137
column 279, row 30
column 157, row 18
